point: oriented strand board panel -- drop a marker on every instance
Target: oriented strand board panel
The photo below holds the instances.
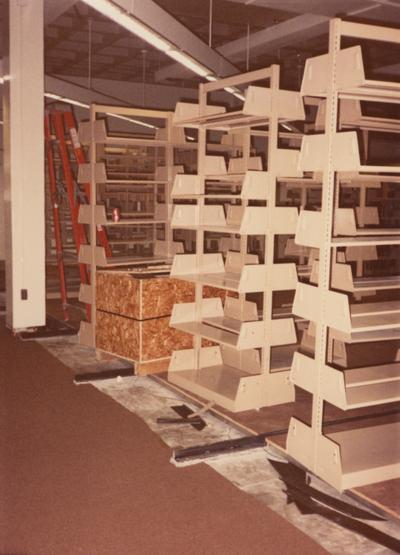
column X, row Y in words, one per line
column 160, row 294
column 139, row 296
column 118, row 293
column 140, row 341
column 152, row 367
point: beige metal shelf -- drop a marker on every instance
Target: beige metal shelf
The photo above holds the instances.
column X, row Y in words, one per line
column 97, row 131
column 351, row 116
column 365, row 241
column 102, row 261
column 240, row 220
column 349, row 458
column 349, row 388
column 257, row 108
column 310, row 224
column 351, row 320
column 100, row 217
column 133, row 241
column 232, row 382
column 233, row 275
column 255, row 182
column 392, row 334
column 217, row 324
column 254, row 186
column 135, row 222
column 345, row 154
column 343, row 280
column 101, row 176
column 345, row 224
column 350, row 78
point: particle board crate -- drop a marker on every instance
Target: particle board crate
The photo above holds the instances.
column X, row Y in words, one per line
column 148, row 343
column 133, row 314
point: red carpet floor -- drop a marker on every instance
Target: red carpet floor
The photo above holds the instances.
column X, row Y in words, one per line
column 81, row 475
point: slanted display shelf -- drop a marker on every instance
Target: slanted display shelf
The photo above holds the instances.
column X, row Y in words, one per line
column 258, row 107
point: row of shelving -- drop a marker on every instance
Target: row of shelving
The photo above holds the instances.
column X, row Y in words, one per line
column 131, row 175
column 281, row 222
column 260, row 350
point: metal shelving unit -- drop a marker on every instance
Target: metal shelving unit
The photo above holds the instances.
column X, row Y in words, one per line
column 247, row 364
column 351, row 457
column 147, row 221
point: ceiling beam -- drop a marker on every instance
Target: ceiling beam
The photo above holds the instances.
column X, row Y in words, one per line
column 156, row 18
column 129, row 94
column 53, row 10
column 330, row 8
column 289, row 32
column 271, row 38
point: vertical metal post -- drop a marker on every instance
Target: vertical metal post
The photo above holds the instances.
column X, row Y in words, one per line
column 93, row 225
column 201, row 154
column 23, row 109
column 90, row 54
column 2, row 223
column 328, row 204
column 169, row 162
column 210, row 22
column 248, row 48
column 269, row 236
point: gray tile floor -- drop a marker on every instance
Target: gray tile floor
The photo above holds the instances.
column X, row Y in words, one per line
column 251, row 471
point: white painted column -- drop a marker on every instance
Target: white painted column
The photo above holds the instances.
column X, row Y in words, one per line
column 2, row 225
column 23, row 110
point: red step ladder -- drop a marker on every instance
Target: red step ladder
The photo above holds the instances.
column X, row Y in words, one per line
column 56, row 217
column 58, row 124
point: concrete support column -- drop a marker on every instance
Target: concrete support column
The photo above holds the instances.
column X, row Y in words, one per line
column 2, row 226
column 23, row 111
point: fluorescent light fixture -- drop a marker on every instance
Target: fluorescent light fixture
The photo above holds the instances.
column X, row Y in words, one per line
column 290, row 127
column 129, row 22
column 235, row 92
column 142, row 123
column 74, row 102
column 188, row 62
column 60, row 98
column 67, row 100
column 239, row 95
